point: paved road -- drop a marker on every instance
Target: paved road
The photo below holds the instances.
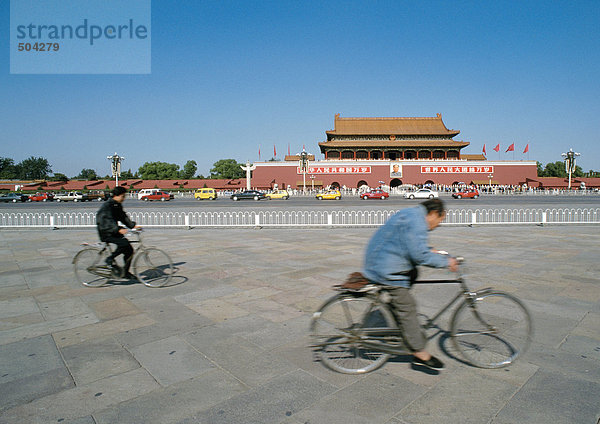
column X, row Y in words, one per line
column 227, row 342
column 299, row 202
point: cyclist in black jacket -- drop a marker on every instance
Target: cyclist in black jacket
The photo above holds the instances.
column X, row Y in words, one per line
column 107, row 221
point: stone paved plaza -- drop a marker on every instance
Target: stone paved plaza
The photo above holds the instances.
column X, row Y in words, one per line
column 227, row 341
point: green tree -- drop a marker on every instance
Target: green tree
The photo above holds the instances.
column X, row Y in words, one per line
column 128, row 175
column 189, row 169
column 227, row 168
column 7, row 168
column 59, row 177
column 557, row 169
column 87, row 174
column 158, row 171
column 33, row 168
column 540, row 169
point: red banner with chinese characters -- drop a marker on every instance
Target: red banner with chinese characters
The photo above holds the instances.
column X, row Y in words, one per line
column 336, row 170
column 463, row 169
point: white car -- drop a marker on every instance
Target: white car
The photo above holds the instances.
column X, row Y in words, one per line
column 422, row 193
column 146, row 192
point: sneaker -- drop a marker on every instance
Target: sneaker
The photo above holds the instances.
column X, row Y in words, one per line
column 433, row 363
column 130, row 276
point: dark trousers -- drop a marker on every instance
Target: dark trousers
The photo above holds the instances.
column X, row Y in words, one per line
column 405, row 309
column 123, row 248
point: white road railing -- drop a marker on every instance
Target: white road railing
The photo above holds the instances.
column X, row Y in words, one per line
column 291, row 219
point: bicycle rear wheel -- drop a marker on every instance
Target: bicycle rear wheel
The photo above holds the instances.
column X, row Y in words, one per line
column 153, row 267
column 347, row 330
column 90, row 268
column 492, row 331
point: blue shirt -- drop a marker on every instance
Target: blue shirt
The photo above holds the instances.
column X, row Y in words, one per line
column 398, row 247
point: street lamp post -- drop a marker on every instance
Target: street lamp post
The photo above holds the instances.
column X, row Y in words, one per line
column 115, row 166
column 570, row 163
column 248, row 168
column 303, row 167
column 490, row 176
column 312, row 182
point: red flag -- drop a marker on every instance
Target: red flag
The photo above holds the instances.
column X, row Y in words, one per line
column 484, row 149
column 288, row 149
column 274, row 152
column 511, row 148
column 497, row 148
column 258, row 152
column 526, row 148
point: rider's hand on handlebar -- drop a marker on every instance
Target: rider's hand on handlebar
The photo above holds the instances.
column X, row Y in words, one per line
column 453, row 264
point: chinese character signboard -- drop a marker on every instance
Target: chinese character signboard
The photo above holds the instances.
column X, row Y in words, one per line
column 336, row 170
column 463, row 169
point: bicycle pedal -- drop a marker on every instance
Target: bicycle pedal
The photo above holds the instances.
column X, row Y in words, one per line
column 116, row 272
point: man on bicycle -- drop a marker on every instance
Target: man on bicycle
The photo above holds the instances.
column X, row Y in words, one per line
column 107, row 221
column 391, row 258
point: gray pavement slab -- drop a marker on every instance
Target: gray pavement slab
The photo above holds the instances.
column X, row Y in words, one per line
column 30, row 369
column 32, row 387
column 37, row 329
column 176, row 402
column 375, row 398
column 228, row 343
column 271, row 403
column 171, row 360
column 463, row 397
column 560, row 399
column 94, row 360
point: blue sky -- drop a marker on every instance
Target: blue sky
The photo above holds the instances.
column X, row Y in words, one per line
column 230, row 76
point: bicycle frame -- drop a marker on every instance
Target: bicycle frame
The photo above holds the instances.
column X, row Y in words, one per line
column 464, row 292
column 377, row 338
column 356, row 331
column 99, row 269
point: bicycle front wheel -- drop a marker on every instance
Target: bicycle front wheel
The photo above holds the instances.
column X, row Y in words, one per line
column 347, row 331
column 492, row 330
column 153, row 267
column 90, row 268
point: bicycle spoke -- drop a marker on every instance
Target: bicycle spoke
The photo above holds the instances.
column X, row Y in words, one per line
column 89, row 268
column 153, row 267
column 493, row 331
column 341, row 330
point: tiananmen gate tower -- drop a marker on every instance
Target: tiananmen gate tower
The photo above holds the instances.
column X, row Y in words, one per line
column 395, row 151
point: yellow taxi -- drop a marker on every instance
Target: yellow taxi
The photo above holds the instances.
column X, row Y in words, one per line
column 205, row 193
column 329, row 195
column 278, row 194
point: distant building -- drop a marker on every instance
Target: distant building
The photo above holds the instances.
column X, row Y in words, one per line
column 366, row 151
column 391, row 138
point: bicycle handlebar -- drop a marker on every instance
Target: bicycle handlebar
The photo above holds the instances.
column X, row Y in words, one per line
column 459, row 259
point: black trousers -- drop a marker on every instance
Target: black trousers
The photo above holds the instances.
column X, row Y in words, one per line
column 123, row 248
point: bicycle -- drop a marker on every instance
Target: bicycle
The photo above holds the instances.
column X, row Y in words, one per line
column 356, row 331
column 151, row 265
